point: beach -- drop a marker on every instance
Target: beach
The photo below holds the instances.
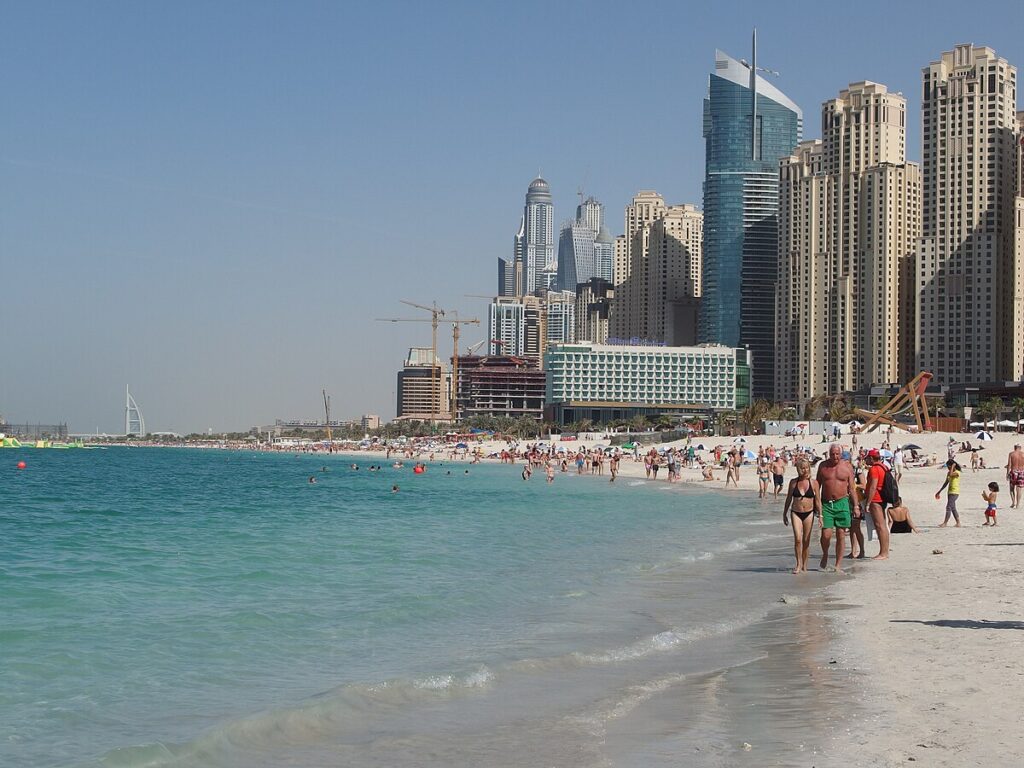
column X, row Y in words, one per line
column 483, row 620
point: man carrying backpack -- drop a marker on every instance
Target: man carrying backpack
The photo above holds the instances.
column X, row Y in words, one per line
column 879, row 485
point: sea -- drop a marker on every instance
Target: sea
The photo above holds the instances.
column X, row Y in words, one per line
column 207, row 608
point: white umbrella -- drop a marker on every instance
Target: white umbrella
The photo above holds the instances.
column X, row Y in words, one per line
column 1007, row 423
column 977, row 424
column 983, row 435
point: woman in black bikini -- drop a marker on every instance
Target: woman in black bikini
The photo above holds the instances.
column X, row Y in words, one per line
column 804, row 499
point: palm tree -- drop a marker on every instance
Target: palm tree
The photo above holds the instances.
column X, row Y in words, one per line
column 812, row 405
column 995, row 405
column 839, row 409
column 1018, row 407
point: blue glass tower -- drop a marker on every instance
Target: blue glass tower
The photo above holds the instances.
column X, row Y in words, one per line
column 749, row 124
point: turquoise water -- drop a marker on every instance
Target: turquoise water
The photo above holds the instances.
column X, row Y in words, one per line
column 205, row 608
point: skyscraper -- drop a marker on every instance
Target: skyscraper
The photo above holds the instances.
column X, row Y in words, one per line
column 749, row 125
column 849, row 220
column 516, row 327
column 580, row 255
column 538, row 239
column 657, row 296
column 970, row 312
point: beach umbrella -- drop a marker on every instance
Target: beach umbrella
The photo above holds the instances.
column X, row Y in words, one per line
column 749, row 455
column 886, row 453
column 983, row 435
column 977, row 424
column 1007, row 423
column 739, row 440
column 912, row 447
column 699, row 447
column 629, row 446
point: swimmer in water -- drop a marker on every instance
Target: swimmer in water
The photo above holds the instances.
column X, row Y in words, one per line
column 394, row 489
column 312, row 479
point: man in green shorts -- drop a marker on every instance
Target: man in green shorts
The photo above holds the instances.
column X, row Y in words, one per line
column 838, row 494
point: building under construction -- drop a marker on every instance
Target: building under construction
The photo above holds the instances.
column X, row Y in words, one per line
column 500, row 385
column 424, row 388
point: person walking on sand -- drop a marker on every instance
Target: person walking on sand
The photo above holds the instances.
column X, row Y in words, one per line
column 804, row 499
column 990, row 498
column 876, row 505
column 838, row 494
column 1015, row 476
column 778, row 472
column 952, row 485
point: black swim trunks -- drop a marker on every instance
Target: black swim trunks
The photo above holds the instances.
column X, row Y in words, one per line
column 778, row 480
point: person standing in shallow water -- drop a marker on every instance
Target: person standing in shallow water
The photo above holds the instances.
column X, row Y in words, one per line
column 804, row 500
column 838, row 495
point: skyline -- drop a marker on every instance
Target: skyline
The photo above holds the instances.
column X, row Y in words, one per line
column 200, row 226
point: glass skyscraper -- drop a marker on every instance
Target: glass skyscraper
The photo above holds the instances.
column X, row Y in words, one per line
column 749, row 125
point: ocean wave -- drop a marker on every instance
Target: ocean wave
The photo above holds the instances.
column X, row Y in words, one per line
column 668, row 640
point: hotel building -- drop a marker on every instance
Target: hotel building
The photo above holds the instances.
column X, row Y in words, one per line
column 970, row 309
column 849, row 220
column 603, row 382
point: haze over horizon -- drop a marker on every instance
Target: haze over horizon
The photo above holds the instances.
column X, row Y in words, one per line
column 211, row 204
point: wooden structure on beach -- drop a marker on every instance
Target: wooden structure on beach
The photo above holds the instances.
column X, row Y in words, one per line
column 910, row 397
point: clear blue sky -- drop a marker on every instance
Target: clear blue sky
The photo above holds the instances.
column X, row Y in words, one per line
column 212, row 201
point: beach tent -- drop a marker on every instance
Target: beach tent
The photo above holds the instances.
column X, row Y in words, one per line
column 983, row 435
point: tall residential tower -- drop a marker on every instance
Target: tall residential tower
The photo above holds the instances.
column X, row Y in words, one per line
column 970, row 312
column 849, row 219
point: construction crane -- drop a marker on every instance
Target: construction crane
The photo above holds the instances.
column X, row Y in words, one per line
column 455, row 359
column 472, row 348
column 435, row 314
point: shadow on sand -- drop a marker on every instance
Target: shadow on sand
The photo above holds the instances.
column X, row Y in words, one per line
column 964, row 623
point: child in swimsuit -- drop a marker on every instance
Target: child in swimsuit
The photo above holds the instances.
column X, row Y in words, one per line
column 990, row 497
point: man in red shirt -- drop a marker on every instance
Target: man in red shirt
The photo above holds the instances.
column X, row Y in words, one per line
column 873, row 496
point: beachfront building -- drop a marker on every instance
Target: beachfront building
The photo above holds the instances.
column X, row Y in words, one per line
column 500, row 386
column 369, row 421
column 849, row 220
column 515, row 326
column 606, row 382
column 560, row 317
column 424, row 387
column 749, row 125
column 970, row 303
column 593, row 305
